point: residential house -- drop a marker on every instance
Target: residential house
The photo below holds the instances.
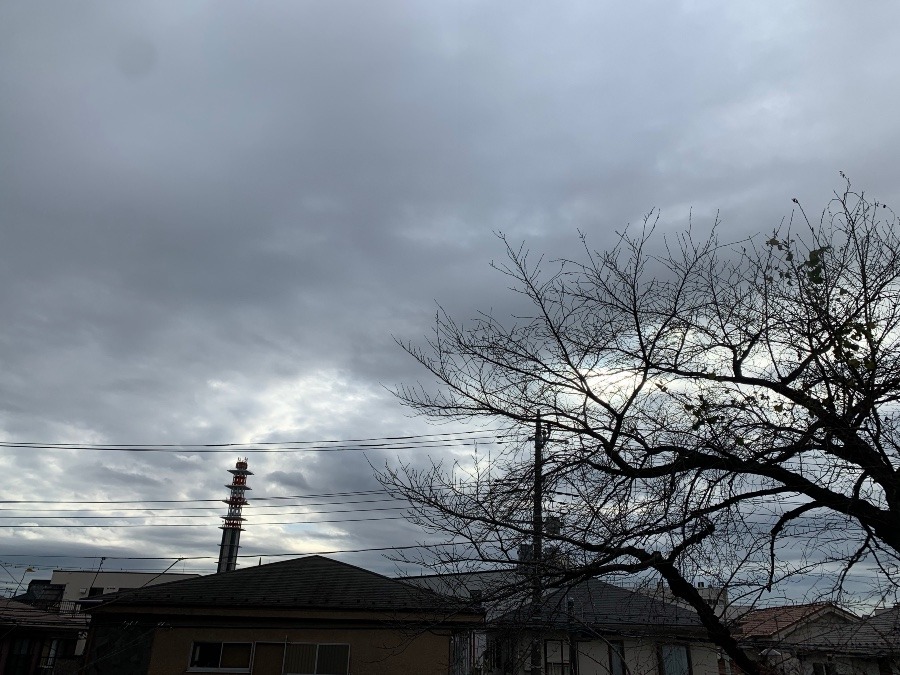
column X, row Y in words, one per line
column 61, row 592
column 300, row 617
column 36, row 641
column 589, row 628
column 823, row 639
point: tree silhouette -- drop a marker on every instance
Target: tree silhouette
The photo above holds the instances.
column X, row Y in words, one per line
column 722, row 410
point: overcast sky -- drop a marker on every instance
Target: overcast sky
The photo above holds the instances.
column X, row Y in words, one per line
column 217, row 216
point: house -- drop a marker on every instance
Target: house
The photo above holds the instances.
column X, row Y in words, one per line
column 78, row 584
column 823, row 639
column 589, row 628
column 33, row 640
column 61, row 592
column 303, row 616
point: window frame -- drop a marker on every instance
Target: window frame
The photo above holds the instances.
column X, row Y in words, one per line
column 317, row 645
column 220, row 668
column 564, row 664
column 660, row 661
column 616, row 648
column 49, row 653
column 825, row 667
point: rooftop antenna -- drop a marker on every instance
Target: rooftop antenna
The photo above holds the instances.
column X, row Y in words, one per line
column 231, row 528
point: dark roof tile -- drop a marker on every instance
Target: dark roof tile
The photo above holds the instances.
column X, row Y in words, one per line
column 604, row 606
column 311, row 582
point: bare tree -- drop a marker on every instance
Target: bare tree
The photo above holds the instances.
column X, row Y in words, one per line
column 716, row 406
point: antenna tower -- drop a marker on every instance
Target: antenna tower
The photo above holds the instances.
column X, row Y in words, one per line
column 231, row 528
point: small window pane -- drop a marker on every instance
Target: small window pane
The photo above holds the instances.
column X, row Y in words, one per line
column 674, row 660
column 48, row 654
column 333, row 660
column 300, row 660
column 235, row 655
column 557, row 657
column 557, row 651
column 206, row 655
column 21, row 646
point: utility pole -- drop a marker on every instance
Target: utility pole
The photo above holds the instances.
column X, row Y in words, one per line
column 573, row 643
column 541, row 436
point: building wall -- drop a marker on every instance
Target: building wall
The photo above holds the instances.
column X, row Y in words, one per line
column 640, row 656
column 823, row 626
column 840, row 665
column 79, row 583
column 373, row 651
column 118, row 648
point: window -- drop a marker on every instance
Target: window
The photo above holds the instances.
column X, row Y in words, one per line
column 313, row 659
column 674, row 660
column 616, row 657
column 48, row 654
column 493, row 653
column 826, row 668
column 18, row 662
column 460, row 653
column 221, row 655
column 500, row 652
column 557, row 657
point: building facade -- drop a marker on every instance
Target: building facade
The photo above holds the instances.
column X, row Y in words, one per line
column 298, row 617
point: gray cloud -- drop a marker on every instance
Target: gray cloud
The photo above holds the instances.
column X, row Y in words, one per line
column 215, row 219
column 289, row 480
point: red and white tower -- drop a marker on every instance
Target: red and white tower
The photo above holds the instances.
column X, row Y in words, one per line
column 231, row 528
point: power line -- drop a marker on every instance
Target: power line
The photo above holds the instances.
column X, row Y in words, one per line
column 100, row 525
column 207, row 515
column 419, row 441
column 352, row 493
column 254, row 499
column 249, row 450
column 209, row 508
column 238, row 445
column 282, row 554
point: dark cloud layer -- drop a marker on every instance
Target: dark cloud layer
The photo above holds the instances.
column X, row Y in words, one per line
column 216, row 218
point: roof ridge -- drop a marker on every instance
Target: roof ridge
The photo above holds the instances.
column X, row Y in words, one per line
column 305, row 581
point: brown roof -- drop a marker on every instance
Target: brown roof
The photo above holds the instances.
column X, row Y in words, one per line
column 768, row 622
column 876, row 635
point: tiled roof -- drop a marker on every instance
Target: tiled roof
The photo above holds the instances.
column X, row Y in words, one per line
column 605, row 607
column 881, row 630
column 596, row 603
column 878, row 634
column 603, row 604
column 313, row 582
column 768, row 622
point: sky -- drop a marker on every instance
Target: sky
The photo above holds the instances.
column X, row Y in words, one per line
column 218, row 218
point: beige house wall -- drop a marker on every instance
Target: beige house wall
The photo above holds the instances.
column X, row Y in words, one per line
column 827, row 625
column 373, row 651
column 640, row 656
column 843, row 665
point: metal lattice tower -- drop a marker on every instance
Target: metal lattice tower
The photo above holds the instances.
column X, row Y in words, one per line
column 231, row 528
